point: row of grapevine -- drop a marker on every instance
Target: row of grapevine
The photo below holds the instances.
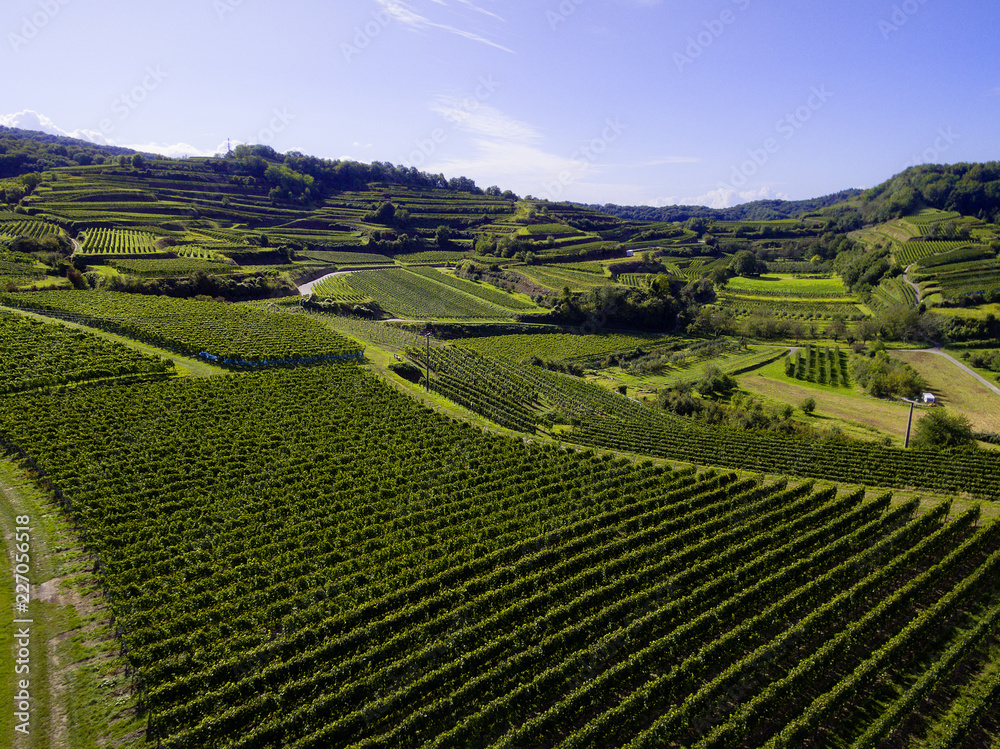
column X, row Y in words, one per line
column 823, row 365
column 118, row 242
column 398, row 579
column 910, row 252
column 36, row 355
column 235, row 335
column 406, row 294
column 482, row 291
column 31, row 228
column 561, row 346
column 805, row 310
column 186, row 266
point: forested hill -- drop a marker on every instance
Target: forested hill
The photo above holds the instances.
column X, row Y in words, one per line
column 968, row 189
column 293, row 175
column 759, row 210
column 27, row 151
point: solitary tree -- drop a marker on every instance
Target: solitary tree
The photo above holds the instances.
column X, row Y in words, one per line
column 940, row 429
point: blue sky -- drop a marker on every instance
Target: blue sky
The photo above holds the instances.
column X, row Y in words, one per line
column 623, row 101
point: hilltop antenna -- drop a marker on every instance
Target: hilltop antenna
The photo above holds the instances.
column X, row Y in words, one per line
column 229, row 145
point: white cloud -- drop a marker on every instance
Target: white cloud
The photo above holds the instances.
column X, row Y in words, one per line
column 403, row 12
column 722, row 198
column 31, row 120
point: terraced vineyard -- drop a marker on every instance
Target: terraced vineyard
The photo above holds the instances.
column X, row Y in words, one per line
column 169, row 266
column 789, row 308
column 398, row 579
column 27, row 228
column 555, row 278
column 340, row 257
column 229, row 334
column 483, row 291
column 118, row 242
column 406, row 294
column 910, row 252
column 338, row 288
column 35, row 354
column 560, row 346
column 893, row 291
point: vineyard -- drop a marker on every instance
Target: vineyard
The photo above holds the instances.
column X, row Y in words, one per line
column 561, row 346
column 606, row 420
column 487, row 293
column 35, row 354
column 406, row 294
column 234, row 335
column 911, row 252
column 894, row 291
column 820, row 364
column 556, row 278
column 169, row 266
column 397, row 579
column 30, row 228
column 790, row 286
column 788, row 308
column 118, row 242
column 338, row 288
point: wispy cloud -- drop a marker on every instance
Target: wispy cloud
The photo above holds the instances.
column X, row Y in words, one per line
column 405, row 13
column 484, row 120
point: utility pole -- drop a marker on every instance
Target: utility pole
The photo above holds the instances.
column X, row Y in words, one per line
column 909, row 423
column 427, row 334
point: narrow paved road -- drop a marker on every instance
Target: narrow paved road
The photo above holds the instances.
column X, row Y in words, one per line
column 906, row 277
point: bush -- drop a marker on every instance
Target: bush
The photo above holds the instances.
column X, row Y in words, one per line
column 940, row 429
column 808, row 405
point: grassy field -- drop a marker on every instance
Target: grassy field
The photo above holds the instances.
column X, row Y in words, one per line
column 80, row 693
column 980, row 312
column 857, row 415
column 559, row 346
column 789, row 285
column 956, row 390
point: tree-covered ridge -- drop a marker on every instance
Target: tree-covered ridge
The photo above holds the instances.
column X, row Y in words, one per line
column 26, row 151
column 967, row 189
column 758, row 210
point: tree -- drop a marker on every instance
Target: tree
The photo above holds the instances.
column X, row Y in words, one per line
column 746, row 264
column 837, row 328
column 808, row 405
column 138, row 162
column 940, row 429
column 443, row 236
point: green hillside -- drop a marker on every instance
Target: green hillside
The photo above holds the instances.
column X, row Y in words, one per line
column 312, row 453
